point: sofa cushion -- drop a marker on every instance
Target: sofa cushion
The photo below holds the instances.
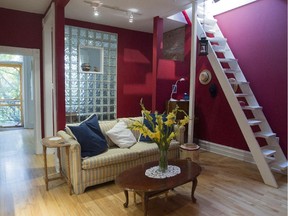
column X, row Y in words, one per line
column 145, row 149
column 149, row 126
column 105, row 126
column 89, row 136
column 121, row 135
column 112, row 156
column 143, row 138
column 129, row 121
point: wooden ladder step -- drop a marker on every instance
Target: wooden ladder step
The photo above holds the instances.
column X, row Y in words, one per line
column 242, row 83
column 230, row 71
column 264, row 134
column 207, row 20
column 283, row 165
column 216, row 39
column 253, row 122
column 280, row 166
column 268, row 152
column 270, row 160
column 219, row 48
column 209, row 30
column 227, row 60
column 251, row 107
column 241, row 95
column 200, row 12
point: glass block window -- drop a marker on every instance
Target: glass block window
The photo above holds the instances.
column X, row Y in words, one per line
column 88, row 93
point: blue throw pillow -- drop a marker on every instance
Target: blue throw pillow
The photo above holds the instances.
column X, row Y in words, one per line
column 149, row 126
column 90, row 137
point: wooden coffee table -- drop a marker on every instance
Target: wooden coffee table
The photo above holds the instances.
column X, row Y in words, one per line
column 134, row 179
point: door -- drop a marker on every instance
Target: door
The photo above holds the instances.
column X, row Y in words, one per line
column 50, row 113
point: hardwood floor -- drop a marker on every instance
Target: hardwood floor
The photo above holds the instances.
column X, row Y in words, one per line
column 225, row 187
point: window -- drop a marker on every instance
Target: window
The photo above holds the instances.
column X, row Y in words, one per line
column 88, row 93
column 221, row 6
column 11, row 93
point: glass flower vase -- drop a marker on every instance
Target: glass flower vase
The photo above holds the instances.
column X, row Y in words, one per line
column 163, row 161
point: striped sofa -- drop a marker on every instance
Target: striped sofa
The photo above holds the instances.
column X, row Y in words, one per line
column 106, row 166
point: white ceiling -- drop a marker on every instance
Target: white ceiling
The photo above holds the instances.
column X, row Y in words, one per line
column 79, row 10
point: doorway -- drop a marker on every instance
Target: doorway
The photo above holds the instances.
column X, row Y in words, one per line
column 11, row 101
column 21, row 98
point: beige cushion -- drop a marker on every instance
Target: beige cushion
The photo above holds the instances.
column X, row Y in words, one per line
column 121, row 135
column 145, row 149
column 105, row 126
column 129, row 121
column 112, row 156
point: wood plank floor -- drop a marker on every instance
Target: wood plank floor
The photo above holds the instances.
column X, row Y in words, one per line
column 225, row 187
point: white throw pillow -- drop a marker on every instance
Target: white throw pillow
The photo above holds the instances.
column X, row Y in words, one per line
column 121, row 135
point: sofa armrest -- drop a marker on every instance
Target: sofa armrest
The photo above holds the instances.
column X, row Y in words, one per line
column 75, row 161
column 70, row 140
column 179, row 133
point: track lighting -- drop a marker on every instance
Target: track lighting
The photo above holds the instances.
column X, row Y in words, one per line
column 131, row 18
column 97, row 6
column 96, row 12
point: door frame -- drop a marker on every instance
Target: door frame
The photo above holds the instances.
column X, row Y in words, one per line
column 49, row 100
column 35, row 53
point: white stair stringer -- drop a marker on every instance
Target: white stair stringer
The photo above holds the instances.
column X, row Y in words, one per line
column 269, row 157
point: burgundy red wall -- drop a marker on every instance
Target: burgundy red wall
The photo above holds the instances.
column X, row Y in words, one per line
column 169, row 71
column 20, row 29
column 257, row 35
column 134, row 67
column 257, row 38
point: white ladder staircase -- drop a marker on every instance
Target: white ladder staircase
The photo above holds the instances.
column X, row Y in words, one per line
column 262, row 142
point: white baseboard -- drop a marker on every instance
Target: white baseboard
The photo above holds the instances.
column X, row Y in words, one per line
column 231, row 152
column 227, row 151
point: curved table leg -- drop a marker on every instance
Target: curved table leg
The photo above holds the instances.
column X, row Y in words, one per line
column 194, row 185
column 146, row 198
column 127, row 199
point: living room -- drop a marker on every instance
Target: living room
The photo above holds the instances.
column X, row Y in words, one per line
column 136, row 77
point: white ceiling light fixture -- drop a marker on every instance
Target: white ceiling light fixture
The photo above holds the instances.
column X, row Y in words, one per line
column 131, row 17
column 97, row 4
column 96, row 12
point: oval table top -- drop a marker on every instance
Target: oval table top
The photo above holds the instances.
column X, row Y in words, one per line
column 135, row 179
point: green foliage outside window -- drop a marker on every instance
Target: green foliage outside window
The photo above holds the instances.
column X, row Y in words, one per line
column 10, row 92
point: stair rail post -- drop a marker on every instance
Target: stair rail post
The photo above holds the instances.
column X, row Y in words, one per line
column 192, row 71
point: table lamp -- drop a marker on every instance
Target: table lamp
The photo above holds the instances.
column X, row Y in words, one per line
column 174, row 88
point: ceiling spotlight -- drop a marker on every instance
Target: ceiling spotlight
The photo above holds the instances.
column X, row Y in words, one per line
column 96, row 12
column 131, row 18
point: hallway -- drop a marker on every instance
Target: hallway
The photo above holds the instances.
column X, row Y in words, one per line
column 16, row 148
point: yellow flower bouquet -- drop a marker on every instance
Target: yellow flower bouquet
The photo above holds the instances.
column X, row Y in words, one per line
column 160, row 129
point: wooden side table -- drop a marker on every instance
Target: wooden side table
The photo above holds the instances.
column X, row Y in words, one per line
column 190, row 150
column 56, row 142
